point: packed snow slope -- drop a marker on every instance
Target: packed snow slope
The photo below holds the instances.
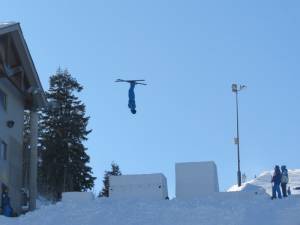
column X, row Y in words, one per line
column 263, row 183
column 221, row 209
column 228, row 208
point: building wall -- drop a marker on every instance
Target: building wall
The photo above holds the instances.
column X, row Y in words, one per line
column 11, row 169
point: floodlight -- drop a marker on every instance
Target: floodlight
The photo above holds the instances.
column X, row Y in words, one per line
column 234, row 88
column 242, row 87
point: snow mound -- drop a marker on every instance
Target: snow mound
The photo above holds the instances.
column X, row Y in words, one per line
column 248, row 205
column 196, row 179
column 138, row 186
column 251, row 188
column 77, row 197
column 41, row 202
column 233, row 208
column 263, row 183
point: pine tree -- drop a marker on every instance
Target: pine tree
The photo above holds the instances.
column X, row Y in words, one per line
column 115, row 171
column 63, row 130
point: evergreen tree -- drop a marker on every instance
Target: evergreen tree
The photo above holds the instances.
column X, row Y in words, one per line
column 63, row 129
column 115, row 171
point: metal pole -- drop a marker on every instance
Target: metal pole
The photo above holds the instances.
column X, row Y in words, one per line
column 33, row 159
column 239, row 178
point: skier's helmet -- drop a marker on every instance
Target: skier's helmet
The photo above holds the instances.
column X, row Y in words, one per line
column 133, row 111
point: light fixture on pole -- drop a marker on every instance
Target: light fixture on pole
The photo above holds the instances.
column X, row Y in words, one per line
column 235, row 89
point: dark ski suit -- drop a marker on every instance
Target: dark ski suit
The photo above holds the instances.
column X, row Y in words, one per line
column 276, row 179
column 131, row 95
column 6, row 207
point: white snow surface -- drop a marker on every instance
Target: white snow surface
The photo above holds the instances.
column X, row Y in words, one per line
column 138, row 186
column 263, row 183
column 227, row 208
column 6, row 24
column 218, row 209
column 196, row 179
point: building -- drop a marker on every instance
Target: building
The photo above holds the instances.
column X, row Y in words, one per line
column 20, row 90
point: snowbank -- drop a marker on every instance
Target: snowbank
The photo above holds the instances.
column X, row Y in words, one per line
column 139, row 186
column 219, row 209
column 77, row 197
column 196, row 179
column 263, row 183
column 247, row 207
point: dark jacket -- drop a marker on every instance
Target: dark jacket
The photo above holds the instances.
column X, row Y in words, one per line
column 6, row 207
column 5, row 200
column 276, row 179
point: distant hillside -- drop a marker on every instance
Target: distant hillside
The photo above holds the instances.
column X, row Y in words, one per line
column 263, row 183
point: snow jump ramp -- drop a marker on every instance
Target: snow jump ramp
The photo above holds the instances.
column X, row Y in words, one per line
column 141, row 187
column 196, row 179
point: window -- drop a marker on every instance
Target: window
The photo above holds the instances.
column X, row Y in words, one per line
column 3, row 100
column 3, row 150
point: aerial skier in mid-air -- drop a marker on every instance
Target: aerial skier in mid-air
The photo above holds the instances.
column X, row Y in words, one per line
column 131, row 95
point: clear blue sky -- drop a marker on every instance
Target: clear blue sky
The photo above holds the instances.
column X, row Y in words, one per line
column 190, row 52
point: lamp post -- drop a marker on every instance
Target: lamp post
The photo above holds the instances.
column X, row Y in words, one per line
column 236, row 89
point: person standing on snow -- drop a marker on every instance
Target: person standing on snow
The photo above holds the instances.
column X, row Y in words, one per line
column 6, row 207
column 276, row 180
column 284, row 180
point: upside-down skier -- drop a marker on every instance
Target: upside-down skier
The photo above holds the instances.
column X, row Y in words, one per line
column 131, row 95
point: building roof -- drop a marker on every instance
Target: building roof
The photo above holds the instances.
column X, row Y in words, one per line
column 14, row 29
column 6, row 24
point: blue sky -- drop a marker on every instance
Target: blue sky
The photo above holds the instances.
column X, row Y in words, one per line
column 190, row 52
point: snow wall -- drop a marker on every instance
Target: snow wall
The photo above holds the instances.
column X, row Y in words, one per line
column 143, row 186
column 77, row 197
column 196, row 179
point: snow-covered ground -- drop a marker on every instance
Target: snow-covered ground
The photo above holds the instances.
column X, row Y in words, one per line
column 264, row 181
column 227, row 208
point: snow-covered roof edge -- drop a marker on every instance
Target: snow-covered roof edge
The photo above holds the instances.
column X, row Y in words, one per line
column 8, row 27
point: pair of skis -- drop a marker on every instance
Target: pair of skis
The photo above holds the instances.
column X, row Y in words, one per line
column 132, row 81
